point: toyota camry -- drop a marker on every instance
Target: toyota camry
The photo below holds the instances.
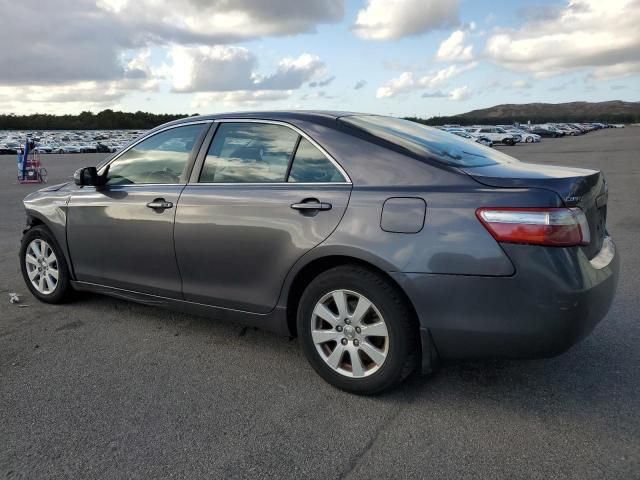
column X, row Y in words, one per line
column 383, row 244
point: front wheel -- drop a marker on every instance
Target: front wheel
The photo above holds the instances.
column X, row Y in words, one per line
column 357, row 330
column 43, row 266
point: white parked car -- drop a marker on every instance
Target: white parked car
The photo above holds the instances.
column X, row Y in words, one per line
column 526, row 137
column 70, row 149
column 496, row 135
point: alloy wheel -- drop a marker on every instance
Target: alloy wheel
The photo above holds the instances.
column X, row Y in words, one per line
column 349, row 333
column 42, row 266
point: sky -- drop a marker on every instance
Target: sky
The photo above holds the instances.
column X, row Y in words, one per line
column 400, row 57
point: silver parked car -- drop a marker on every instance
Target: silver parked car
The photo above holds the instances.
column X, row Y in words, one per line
column 381, row 243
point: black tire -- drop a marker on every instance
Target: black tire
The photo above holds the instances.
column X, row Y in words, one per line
column 403, row 349
column 529, row 140
column 63, row 290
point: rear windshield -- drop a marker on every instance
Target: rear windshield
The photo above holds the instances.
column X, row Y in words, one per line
column 441, row 146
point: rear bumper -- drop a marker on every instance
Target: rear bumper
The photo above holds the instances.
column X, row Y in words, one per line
column 556, row 298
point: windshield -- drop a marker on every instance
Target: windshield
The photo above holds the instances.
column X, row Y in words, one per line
column 441, row 146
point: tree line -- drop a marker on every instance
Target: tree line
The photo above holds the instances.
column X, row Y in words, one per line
column 109, row 120
column 104, row 120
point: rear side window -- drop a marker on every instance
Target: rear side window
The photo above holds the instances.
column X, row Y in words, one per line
column 428, row 142
column 159, row 159
column 310, row 165
column 249, row 153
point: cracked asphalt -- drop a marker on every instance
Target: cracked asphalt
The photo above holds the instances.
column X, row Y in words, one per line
column 102, row 388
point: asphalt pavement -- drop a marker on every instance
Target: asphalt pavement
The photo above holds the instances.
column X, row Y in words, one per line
column 103, row 388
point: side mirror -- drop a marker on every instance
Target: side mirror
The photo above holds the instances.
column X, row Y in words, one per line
column 86, row 176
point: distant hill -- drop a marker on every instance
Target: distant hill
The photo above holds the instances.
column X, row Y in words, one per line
column 615, row 111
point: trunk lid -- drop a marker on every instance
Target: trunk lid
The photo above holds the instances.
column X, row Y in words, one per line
column 577, row 187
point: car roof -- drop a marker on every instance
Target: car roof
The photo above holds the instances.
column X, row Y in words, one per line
column 282, row 115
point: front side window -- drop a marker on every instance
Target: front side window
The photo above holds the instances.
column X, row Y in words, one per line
column 159, row 159
column 248, row 152
column 310, row 165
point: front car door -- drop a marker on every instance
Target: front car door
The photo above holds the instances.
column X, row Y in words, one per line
column 121, row 234
column 260, row 196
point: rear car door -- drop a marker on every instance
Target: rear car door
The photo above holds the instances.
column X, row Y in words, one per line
column 121, row 234
column 261, row 195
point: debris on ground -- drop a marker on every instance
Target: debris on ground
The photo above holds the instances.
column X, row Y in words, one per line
column 14, row 297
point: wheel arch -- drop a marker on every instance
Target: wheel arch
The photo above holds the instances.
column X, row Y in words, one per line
column 299, row 279
column 36, row 218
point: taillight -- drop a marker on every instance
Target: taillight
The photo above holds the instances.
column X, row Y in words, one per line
column 560, row 227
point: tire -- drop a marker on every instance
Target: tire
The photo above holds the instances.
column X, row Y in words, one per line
column 399, row 340
column 62, row 290
column 529, row 140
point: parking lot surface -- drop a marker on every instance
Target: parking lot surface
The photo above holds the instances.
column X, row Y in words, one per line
column 102, row 388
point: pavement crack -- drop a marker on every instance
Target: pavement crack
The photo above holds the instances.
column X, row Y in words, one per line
column 357, row 458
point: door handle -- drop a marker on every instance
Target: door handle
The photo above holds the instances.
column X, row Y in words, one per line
column 160, row 204
column 307, row 206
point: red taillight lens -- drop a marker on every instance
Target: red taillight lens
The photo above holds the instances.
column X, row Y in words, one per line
column 560, row 227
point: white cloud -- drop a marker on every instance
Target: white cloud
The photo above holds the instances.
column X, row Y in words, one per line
column 81, row 40
column 239, row 98
column 460, row 94
column 453, row 48
column 226, row 68
column 292, row 73
column 223, row 21
column 614, row 71
column 391, row 19
column 584, row 33
column 407, row 81
column 521, row 84
column 218, row 68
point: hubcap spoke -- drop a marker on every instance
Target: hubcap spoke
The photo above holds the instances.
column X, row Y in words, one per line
column 49, row 283
column 341, row 303
column 323, row 336
column 35, row 246
column 33, row 273
column 31, row 259
column 336, row 356
column 51, row 258
column 361, row 310
column 378, row 329
column 356, row 363
column 325, row 314
column 53, row 273
column 377, row 356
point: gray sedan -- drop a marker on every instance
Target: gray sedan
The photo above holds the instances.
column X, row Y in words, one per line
column 382, row 244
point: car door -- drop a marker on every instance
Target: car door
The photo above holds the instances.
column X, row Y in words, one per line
column 262, row 194
column 121, row 234
column 487, row 132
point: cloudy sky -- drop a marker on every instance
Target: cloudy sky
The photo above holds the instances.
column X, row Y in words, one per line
column 401, row 57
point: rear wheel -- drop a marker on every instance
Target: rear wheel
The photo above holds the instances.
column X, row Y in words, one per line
column 529, row 139
column 43, row 266
column 357, row 331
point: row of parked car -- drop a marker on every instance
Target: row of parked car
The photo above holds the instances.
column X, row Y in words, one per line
column 90, row 141
column 511, row 135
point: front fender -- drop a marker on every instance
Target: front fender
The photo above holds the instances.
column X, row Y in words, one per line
column 49, row 208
